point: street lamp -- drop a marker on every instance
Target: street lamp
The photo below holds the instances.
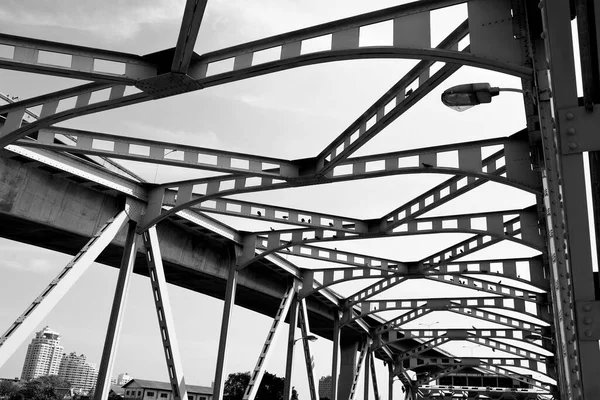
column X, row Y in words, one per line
column 463, row 97
column 311, row 338
column 429, row 325
column 534, row 336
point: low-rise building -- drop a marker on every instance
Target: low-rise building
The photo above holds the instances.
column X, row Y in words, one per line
column 139, row 389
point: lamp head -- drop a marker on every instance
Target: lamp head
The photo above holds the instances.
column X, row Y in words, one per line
column 463, row 97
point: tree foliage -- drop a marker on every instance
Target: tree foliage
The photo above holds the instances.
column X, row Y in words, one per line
column 42, row 388
column 271, row 387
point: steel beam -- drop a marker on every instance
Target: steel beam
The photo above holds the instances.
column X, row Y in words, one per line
column 289, row 359
column 228, row 303
column 164, row 314
column 70, row 61
column 186, row 194
column 157, row 152
column 188, row 33
column 265, row 352
column 84, row 104
column 116, row 314
column 565, row 202
column 308, row 358
column 335, row 356
column 35, row 313
column 357, row 134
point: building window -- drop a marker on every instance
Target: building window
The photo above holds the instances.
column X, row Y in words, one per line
column 202, row 398
column 139, row 393
column 127, row 393
column 190, row 397
column 150, row 394
column 164, row 395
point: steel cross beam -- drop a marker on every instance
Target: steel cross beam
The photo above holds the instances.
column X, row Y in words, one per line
column 157, row 152
column 70, row 61
column 77, row 101
column 186, row 194
column 417, row 362
column 506, row 303
column 439, row 374
column 276, row 240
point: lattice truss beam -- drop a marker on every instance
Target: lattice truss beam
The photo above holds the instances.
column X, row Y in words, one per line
column 510, row 293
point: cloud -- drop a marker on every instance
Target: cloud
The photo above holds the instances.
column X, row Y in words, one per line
column 114, row 19
column 25, row 264
column 201, row 139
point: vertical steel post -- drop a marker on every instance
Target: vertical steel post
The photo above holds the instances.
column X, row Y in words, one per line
column 391, row 381
column 164, row 314
column 289, row 362
column 367, row 373
column 335, row 355
column 45, row 302
column 116, row 314
column 222, row 352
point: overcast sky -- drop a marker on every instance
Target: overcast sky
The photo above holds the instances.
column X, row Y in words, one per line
column 291, row 114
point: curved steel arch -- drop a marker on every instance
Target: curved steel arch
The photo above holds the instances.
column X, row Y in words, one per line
column 383, row 52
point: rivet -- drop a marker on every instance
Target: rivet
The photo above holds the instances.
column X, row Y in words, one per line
column 572, row 145
column 588, row 333
column 587, row 307
column 570, row 116
column 575, row 369
column 571, row 131
column 588, row 321
column 543, row 35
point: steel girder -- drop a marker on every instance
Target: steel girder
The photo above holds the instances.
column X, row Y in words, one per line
column 499, row 22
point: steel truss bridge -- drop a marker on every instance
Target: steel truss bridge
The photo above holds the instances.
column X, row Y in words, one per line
column 118, row 219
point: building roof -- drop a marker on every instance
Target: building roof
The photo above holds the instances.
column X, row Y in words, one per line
column 167, row 386
column 117, row 388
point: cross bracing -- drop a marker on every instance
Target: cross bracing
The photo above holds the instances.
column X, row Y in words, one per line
column 526, row 298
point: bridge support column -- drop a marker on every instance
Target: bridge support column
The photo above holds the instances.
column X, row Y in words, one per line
column 348, row 348
column 222, row 352
column 289, row 362
column 116, row 314
column 45, row 302
column 163, row 312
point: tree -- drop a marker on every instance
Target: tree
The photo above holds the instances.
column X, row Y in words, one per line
column 42, row 388
column 8, row 388
column 271, row 387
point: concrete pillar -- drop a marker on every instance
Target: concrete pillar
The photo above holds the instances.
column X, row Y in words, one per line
column 348, row 349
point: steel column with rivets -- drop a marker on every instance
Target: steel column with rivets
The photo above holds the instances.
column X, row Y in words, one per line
column 565, row 203
column 116, row 314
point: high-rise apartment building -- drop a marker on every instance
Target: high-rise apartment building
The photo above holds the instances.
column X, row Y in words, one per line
column 44, row 355
column 77, row 371
column 325, row 387
column 123, row 378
